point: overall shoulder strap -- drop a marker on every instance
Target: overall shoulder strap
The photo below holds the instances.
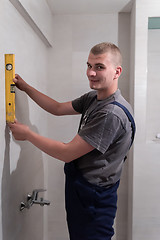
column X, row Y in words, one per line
column 129, row 117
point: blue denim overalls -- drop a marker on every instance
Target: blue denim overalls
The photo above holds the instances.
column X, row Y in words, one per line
column 90, row 209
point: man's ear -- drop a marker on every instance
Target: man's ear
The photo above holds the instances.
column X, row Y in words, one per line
column 118, row 71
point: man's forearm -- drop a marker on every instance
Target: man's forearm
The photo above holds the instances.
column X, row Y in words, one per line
column 65, row 152
column 51, row 147
column 45, row 102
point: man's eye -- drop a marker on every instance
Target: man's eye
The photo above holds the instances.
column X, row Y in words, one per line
column 89, row 66
column 100, row 67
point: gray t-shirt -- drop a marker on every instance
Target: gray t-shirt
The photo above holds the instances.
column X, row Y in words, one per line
column 107, row 128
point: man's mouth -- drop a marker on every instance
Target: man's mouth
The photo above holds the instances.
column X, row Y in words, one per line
column 93, row 80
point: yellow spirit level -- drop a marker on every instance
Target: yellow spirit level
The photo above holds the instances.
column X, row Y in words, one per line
column 10, row 87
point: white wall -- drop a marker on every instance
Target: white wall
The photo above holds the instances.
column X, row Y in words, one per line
column 146, row 165
column 74, row 35
column 22, row 167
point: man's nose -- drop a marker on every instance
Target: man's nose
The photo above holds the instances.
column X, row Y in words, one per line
column 91, row 72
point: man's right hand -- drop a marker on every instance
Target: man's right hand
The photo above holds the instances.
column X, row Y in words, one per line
column 20, row 83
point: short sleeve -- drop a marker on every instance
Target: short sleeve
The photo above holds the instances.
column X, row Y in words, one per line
column 77, row 104
column 101, row 130
column 82, row 103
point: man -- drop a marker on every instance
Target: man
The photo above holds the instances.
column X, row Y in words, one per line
column 95, row 156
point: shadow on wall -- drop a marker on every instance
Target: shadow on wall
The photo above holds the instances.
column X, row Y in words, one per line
column 28, row 175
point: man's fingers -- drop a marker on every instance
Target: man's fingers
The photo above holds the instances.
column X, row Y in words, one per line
column 15, row 120
column 15, row 80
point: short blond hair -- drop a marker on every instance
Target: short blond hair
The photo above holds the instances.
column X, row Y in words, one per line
column 107, row 47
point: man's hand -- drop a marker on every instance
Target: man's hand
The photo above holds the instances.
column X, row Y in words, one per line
column 19, row 131
column 20, row 83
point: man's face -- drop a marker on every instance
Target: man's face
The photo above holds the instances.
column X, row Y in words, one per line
column 101, row 71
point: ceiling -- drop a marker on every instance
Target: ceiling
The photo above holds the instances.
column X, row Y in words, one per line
column 59, row 7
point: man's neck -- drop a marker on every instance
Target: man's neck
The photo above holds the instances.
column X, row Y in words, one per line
column 101, row 95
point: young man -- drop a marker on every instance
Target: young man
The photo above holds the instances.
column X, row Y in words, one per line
column 95, row 156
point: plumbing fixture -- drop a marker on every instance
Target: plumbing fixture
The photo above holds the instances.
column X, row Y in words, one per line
column 33, row 199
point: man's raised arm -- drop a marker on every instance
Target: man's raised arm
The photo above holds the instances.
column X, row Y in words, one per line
column 48, row 104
